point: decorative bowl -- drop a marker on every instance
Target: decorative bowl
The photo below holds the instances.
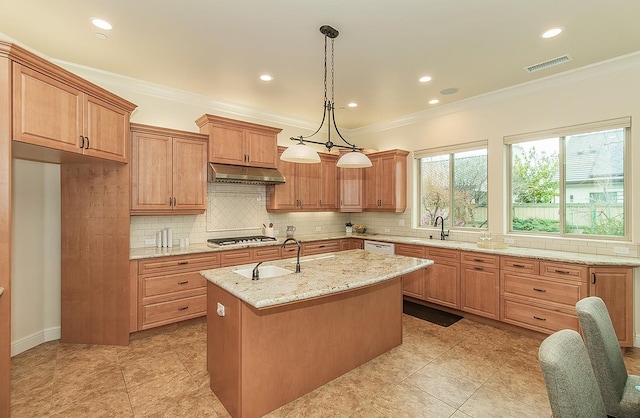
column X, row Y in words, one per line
column 360, row 229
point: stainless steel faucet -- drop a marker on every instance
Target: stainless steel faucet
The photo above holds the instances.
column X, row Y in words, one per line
column 298, row 256
column 255, row 275
column 442, row 233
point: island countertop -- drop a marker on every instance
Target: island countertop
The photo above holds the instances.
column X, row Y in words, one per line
column 320, row 275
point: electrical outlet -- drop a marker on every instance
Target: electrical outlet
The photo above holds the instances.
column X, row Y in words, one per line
column 509, row 241
column 621, row 250
column 150, row 241
column 387, row 230
column 318, row 228
column 400, row 222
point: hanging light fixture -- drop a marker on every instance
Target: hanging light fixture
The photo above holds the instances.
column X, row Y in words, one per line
column 301, row 152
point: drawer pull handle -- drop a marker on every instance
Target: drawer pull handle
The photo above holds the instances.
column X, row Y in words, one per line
column 539, row 319
column 479, row 260
column 520, row 266
column 539, row 290
column 184, row 282
column 321, row 246
column 593, row 278
column 478, row 268
column 183, row 308
column 562, row 271
column 180, row 263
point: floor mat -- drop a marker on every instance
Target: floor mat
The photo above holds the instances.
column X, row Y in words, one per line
column 435, row 316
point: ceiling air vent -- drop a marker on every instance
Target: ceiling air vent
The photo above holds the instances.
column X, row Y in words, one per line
column 546, row 64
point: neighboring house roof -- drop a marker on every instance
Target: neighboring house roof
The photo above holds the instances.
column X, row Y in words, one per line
column 595, row 156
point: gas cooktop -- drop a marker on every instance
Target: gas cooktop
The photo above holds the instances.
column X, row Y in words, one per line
column 220, row 242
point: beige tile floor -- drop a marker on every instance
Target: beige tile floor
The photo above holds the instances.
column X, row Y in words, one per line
column 466, row 370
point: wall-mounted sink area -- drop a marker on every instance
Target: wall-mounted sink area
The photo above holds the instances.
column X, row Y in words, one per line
column 266, row 272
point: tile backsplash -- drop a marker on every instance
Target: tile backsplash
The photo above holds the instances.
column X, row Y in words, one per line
column 240, row 209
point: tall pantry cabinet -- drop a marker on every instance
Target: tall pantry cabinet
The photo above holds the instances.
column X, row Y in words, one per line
column 51, row 115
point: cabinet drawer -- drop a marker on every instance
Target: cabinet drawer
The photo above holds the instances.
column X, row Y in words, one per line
column 523, row 265
column 236, row 257
column 319, row 247
column 167, row 312
column 563, row 271
column 560, row 291
column 479, row 259
column 266, row 253
column 410, row 250
column 443, row 255
column 156, row 286
column 179, row 264
column 538, row 318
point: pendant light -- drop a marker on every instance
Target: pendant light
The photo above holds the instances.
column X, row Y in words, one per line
column 302, row 153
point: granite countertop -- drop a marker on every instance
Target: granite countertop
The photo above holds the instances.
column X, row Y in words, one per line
column 561, row 256
column 320, row 275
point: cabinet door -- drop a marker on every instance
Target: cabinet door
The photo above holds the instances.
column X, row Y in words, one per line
column 45, row 111
column 189, row 174
column 308, row 187
column 283, row 197
column 261, row 149
column 226, row 145
column 614, row 285
column 351, row 185
column 106, row 130
column 480, row 291
column 328, row 183
column 386, row 182
column 371, row 200
column 443, row 284
column 413, row 283
column 151, row 172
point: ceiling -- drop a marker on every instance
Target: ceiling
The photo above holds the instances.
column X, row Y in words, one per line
column 219, row 48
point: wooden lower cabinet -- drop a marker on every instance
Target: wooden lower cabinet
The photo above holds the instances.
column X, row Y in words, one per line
column 319, row 247
column 414, row 284
column 614, row 285
column 442, row 284
column 480, row 284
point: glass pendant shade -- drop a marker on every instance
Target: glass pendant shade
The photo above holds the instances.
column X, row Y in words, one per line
column 354, row 159
column 300, row 153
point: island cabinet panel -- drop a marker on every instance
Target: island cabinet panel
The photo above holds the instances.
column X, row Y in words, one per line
column 168, row 171
column 53, row 111
column 541, row 295
column 414, row 284
column 240, row 143
column 171, row 289
column 386, row 182
column 480, row 284
column 443, row 277
column 259, row 360
column 614, row 285
column 351, row 184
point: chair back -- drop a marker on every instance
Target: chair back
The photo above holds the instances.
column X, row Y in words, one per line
column 604, row 350
column 571, row 384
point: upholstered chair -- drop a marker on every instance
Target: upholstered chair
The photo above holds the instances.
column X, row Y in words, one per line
column 571, row 385
column 619, row 393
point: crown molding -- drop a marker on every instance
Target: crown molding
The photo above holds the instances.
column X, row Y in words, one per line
column 599, row 69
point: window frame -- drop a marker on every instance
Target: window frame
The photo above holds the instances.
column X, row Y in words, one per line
column 561, row 134
column 450, row 150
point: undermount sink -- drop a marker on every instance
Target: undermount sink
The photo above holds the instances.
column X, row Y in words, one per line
column 266, row 272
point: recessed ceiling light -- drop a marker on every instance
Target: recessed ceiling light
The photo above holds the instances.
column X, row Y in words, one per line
column 424, row 79
column 353, row 104
column 434, row 101
column 101, row 36
column 266, row 77
column 450, row 90
column 551, row 33
column 101, row 23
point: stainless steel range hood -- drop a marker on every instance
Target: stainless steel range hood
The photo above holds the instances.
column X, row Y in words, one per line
column 240, row 174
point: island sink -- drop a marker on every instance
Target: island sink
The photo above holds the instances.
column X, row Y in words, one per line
column 266, row 272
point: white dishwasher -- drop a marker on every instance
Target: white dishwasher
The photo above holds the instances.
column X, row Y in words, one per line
column 380, row 247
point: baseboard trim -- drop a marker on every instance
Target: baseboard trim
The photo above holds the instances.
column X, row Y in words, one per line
column 25, row 343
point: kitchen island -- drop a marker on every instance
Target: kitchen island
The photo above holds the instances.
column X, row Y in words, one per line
column 270, row 341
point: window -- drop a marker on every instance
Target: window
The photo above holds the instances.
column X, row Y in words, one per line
column 571, row 182
column 453, row 184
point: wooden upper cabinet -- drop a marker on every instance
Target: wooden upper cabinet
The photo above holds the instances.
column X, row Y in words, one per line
column 240, row 143
column 56, row 113
column 308, row 187
column 168, row 171
column 351, row 189
column 386, row 181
